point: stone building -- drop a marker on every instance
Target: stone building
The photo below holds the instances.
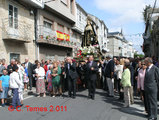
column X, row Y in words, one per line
column 119, row 46
column 151, row 35
column 17, row 33
column 55, row 35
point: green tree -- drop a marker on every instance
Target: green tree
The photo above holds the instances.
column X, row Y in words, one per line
column 138, row 55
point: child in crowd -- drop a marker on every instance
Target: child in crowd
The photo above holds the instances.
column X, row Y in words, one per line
column 15, row 84
column 4, row 87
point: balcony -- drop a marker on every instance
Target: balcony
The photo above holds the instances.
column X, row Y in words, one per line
column 49, row 36
column 35, row 3
column 16, row 31
column 61, row 10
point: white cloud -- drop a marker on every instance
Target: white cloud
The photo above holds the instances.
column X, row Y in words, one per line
column 126, row 10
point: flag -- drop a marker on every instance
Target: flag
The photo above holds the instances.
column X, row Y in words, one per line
column 60, row 35
column 67, row 37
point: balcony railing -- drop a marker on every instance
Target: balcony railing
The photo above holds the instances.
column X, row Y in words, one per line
column 16, row 30
column 49, row 36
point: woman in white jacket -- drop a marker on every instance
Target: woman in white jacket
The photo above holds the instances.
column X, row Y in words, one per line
column 15, row 84
column 119, row 71
column 40, row 84
column 21, row 72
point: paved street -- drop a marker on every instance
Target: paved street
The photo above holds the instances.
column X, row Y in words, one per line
column 81, row 108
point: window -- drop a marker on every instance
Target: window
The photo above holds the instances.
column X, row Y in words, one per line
column 47, row 25
column 67, row 31
column 60, row 28
column 71, row 6
column 14, row 56
column 13, row 17
column 80, row 18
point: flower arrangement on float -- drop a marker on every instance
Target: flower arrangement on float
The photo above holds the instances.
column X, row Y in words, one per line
column 83, row 53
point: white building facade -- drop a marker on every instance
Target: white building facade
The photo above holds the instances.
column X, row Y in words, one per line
column 119, row 46
column 79, row 27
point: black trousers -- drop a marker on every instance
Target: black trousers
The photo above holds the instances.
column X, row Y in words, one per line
column 30, row 81
column 151, row 102
column 71, row 87
column 143, row 93
column 91, row 88
column 121, row 94
column 62, row 82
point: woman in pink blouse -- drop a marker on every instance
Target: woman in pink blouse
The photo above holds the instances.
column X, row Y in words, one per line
column 140, row 82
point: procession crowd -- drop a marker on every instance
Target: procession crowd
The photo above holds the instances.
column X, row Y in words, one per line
column 126, row 77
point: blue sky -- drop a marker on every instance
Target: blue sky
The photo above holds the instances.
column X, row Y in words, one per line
column 117, row 14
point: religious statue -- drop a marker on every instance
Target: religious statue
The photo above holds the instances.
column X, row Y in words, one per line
column 90, row 37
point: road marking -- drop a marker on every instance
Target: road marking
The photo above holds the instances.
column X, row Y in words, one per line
column 123, row 118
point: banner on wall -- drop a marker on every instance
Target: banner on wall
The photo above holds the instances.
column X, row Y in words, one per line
column 60, row 35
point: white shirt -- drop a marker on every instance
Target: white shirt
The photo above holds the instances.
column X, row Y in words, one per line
column 150, row 67
column 26, row 65
column 68, row 66
column 109, row 61
column 15, row 81
column 41, row 72
column 119, row 70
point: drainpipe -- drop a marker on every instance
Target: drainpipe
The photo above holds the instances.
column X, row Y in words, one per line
column 36, row 34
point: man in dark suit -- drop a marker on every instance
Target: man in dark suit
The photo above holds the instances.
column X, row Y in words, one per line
column 109, row 74
column 150, row 87
column 91, row 72
column 29, row 67
column 71, row 76
column 10, row 67
column 103, row 66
